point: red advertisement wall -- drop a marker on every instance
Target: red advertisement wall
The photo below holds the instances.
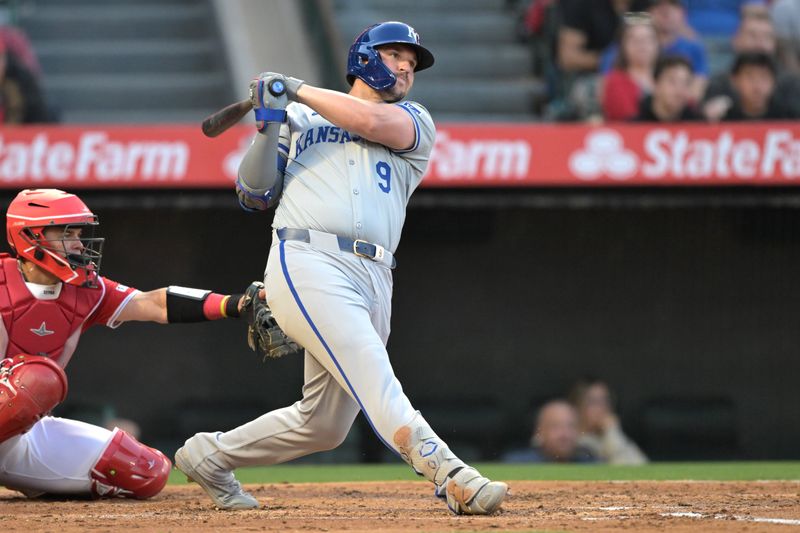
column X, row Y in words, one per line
column 465, row 155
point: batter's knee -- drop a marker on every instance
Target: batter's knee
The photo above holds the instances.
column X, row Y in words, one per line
column 127, row 468
column 328, row 434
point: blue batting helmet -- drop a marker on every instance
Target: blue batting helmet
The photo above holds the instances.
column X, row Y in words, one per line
column 364, row 61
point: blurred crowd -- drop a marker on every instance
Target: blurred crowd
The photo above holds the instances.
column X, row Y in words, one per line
column 667, row 60
column 582, row 427
column 22, row 100
column 602, row 60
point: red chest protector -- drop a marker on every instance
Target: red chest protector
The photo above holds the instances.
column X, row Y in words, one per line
column 42, row 327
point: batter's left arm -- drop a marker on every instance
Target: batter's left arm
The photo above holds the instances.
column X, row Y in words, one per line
column 260, row 179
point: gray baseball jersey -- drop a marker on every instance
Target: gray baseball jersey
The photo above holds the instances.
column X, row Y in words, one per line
column 346, row 185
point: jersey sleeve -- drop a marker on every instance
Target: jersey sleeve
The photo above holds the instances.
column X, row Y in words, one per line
column 284, row 142
column 114, row 300
column 425, row 135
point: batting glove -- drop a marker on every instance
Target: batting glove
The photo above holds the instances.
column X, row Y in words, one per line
column 269, row 100
column 290, row 85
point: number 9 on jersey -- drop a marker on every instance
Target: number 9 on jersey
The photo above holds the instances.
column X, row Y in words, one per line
column 384, row 172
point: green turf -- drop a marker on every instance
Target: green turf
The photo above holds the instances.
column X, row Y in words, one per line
column 722, row 471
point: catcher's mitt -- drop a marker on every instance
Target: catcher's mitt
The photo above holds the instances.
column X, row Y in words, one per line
column 263, row 333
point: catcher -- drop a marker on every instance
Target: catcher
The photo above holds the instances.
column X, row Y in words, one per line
column 50, row 293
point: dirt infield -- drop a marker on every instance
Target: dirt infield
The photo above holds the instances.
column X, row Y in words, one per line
column 409, row 506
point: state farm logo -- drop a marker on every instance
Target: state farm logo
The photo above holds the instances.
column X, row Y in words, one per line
column 676, row 154
column 480, row 159
column 92, row 156
column 700, row 154
column 603, row 154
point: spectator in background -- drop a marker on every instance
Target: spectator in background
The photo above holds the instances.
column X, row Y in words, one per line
column 17, row 43
column 720, row 18
column 21, row 99
column 587, row 28
column 631, row 79
column 671, row 100
column 786, row 17
column 754, row 78
column 600, row 430
column 674, row 38
column 555, row 439
column 756, row 34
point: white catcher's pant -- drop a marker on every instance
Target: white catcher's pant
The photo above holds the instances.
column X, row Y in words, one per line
column 338, row 306
column 55, row 456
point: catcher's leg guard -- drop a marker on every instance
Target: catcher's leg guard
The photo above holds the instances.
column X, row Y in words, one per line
column 30, row 387
column 466, row 491
column 129, row 469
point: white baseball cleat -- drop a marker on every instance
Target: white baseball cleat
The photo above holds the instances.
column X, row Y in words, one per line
column 220, row 485
column 467, row 492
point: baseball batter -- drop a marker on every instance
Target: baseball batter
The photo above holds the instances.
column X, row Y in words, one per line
column 50, row 293
column 347, row 165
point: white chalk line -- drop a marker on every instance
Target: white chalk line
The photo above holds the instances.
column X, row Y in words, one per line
column 695, row 515
column 740, row 518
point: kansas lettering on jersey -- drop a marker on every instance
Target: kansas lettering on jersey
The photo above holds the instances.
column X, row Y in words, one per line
column 322, row 134
column 340, row 183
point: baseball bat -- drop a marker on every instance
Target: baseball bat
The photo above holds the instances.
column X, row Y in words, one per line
column 226, row 117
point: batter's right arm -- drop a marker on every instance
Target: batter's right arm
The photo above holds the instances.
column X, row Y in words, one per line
column 380, row 123
column 260, row 175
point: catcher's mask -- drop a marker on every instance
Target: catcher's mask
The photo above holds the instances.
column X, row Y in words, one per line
column 364, row 61
column 35, row 210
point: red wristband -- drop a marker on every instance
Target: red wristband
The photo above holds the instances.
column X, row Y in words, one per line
column 214, row 306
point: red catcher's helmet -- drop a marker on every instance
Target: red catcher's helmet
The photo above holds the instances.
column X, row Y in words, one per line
column 33, row 211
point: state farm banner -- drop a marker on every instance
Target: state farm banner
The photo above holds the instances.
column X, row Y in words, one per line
column 465, row 155
column 151, row 156
column 579, row 155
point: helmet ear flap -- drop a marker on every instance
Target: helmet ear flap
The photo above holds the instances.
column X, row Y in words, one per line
column 38, row 253
column 365, row 62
